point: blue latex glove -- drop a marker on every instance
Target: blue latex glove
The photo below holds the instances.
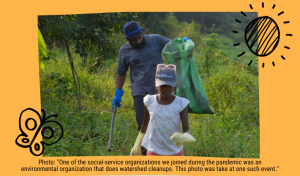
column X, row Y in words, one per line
column 117, row 98
column 185, row 39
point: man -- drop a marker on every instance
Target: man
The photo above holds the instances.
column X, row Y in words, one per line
column 141, row 53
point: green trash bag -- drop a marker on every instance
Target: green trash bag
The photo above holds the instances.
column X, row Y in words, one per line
column 189, row 84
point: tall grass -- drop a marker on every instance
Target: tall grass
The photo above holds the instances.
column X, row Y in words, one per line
column 232, row 90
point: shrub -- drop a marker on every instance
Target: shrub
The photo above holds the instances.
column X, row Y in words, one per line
column 192, row 31
column 172, row 26
column 233, row 94
column 210, row 45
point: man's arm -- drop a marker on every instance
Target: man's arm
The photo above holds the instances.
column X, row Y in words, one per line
column 163, row 40
column 121, row 68
column 120, row 81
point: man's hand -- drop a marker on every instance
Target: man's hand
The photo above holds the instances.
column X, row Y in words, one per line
column 117, row 98
column 181, row 139
column 185, row 39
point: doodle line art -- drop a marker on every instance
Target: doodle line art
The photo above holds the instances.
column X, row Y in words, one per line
column 260, row 27
column 27, row 138
column 267, row 31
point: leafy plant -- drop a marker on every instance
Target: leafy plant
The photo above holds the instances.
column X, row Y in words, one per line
column 42, row 48
column 57, row 85
column 51, row 55
column 210, row 47
column 192, row 31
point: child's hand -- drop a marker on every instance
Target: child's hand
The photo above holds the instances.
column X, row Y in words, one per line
column 136, row 149
column 181, row 139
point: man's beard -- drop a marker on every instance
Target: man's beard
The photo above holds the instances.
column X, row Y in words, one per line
column 140, row 46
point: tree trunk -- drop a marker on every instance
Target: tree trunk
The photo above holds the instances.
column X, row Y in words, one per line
column 73, row 73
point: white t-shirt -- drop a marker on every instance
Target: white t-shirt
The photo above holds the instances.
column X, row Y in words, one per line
column 164, row 122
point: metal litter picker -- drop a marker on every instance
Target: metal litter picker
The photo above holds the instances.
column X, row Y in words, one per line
column 112, row 127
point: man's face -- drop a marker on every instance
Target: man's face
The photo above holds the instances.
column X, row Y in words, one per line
column 138, row 42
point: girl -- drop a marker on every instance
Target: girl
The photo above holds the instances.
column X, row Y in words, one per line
column 160, row 131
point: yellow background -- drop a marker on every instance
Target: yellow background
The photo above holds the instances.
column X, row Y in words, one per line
column 278, row 86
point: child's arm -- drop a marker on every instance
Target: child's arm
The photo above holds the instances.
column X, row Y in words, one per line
column 185, row 120
column 136, row 149
column 186, row 137
column 146, row 120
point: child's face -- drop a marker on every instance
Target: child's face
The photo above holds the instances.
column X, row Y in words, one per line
column 165, row 90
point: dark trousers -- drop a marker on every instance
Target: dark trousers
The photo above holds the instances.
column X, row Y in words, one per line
column 139, row 114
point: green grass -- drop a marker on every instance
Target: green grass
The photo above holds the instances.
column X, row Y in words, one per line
column 232, row 90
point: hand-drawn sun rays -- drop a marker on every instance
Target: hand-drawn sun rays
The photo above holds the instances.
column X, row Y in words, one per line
column 262, row 35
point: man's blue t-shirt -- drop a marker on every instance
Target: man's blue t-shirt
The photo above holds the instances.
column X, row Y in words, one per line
column 142, row 63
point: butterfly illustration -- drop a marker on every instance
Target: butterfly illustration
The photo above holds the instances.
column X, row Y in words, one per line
column 30, row 127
